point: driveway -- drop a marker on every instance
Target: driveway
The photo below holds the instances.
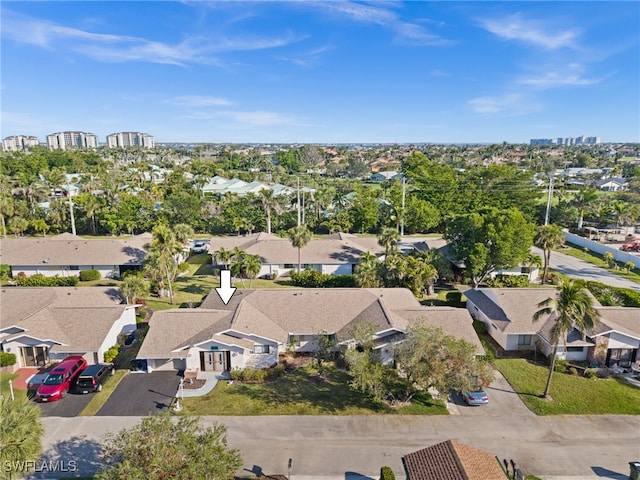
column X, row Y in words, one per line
column 69, row 406
column 502, row 401
column 140, row 394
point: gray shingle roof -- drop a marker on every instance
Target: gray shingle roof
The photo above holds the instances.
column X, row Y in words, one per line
column 77, row 318
column 67, row 249
column 621, row 319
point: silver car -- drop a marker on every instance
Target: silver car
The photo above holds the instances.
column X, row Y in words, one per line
column 476, row 397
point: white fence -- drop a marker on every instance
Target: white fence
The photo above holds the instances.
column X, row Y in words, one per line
column 599, row 248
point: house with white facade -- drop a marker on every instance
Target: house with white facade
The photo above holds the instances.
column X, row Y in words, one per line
column 67, row 254
column 257, row 325
column 507, row 314
column 41, row 325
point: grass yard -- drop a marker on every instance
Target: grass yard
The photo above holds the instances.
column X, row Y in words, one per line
column 4, row 383
column 571, row 394
column 300, row 393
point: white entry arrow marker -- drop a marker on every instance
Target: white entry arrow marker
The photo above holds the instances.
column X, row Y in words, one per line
column 226, row 291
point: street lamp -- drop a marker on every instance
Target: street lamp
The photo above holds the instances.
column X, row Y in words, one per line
column 179, row 393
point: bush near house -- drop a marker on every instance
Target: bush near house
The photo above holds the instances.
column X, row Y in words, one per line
column 387, row 474
column 7, row 359
column 39, row 280
column 4, row 271
column 310, row 278
column 615, row 296
column 90, row 275
column 509, row 281
column 111, row 354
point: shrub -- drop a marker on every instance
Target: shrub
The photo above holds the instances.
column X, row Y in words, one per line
column 39, row 280
column 257, row 375
column 608, row 295
column 387, row 474
column 560, row 365
column 7, row 359
column 310, row 278
column 4, row 271
column 573, row 370
column 509, row 281
column 590, row 373
column 111, row 354
column 90, row 275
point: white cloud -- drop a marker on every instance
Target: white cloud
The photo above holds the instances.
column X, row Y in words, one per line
column 260, row 118
column 198, row 101
column 124, row 48
column 568, row 75
column 510, row 104
column 529, row 31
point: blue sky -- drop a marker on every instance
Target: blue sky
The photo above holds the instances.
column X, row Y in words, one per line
column 322, row 71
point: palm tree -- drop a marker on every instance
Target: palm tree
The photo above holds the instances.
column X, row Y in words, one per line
column 165, row 245
column 582, row 200
column 388, row 238
column 270, row 203
column 299, row 236
column 547, row 238
column 573, row 307
column 251, row 265
column 223, row 257
column 7, row 207
column 183, row 233
column 368, row 271
column 21, row 434
column 134, row 286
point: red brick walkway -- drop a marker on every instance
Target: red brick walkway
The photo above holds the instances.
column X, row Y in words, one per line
column 23, row 375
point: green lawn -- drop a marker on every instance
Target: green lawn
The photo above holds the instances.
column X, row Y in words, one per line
column 298, row 393
column 4, row 382
column 570, row 394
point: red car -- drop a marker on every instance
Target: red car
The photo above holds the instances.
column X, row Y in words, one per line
column 61, row 379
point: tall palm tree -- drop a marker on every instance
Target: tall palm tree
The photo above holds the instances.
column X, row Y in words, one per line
column 547, row 238
column 7, row 208
column 582, row 201
column 270, row 203
column 166, row 246
column 223, row 257
column 299, row 237
column 21, row 434
column 183, row 233
column 368, row 271
column 134, row 286
column 572, row 307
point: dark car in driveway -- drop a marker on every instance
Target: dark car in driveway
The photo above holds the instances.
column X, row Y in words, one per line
column 92, row 378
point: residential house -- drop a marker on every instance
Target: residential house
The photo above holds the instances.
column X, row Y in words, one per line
column 257, row 325
column 507, row 314
column 66, row 255
column 40, row 325
column 336, row 254
column 614, row 184
column 388, row 175
column 452, row 460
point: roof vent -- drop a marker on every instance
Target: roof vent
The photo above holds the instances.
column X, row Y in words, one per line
column 46, row 260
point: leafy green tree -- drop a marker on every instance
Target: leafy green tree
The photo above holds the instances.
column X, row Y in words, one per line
column 162, row 251
column 7, row 208
column 364, row 362
column 388, row 238
column 548, row 237
column 222, row 256
column 582, row 201
column 489, row 240
column 158, row 448
column 369, row 271
column 429, row 358
column 364, row 211
column 21, row 434
column 572, row 307
column 420, row 216
column 17, row 225
column 299, row 237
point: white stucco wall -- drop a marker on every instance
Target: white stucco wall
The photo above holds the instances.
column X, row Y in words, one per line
column 619, row 340
column 62, row 270
column 125, row 324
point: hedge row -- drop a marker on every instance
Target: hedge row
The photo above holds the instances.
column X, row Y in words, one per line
column 39, row 280
column 614, row 296
column 90, row 275
column 313, row 279
column 257, row 375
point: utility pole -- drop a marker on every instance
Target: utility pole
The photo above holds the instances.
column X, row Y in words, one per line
column 404, row 187
column 549, row 194
column 71, row 216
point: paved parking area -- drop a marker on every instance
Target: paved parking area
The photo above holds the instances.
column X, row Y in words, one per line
column 69, row 406
column 503, row 401
column 140, row 394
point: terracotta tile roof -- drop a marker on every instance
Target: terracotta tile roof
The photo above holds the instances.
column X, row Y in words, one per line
column 452, row 460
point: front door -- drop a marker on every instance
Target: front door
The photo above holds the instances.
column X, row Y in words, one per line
column 34, row 356
column 214, row 361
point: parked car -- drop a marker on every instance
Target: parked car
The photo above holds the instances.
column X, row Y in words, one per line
column 476, row 397
column 200, row 247
column 92, row 378
column 61, row 379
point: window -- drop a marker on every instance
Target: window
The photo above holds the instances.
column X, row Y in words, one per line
column 74, row 267
column 290, row 265
column 524, row 339
column 575, row 349
column 261, row 349
column 525, row 269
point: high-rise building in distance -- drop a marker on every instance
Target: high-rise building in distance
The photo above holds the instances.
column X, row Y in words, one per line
column 130, row 139
column 70, row 140
column 581, row 140
column 19, row 143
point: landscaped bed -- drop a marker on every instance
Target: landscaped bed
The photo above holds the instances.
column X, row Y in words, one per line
column 570, row 394
column 302, row 392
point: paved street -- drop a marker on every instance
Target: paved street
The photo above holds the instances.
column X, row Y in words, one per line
column 578, row 268
column 332, row 446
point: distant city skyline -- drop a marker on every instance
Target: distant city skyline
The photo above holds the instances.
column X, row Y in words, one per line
column 322, row 71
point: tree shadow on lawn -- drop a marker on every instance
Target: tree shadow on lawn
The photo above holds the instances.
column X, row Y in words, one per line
column 332, row 395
